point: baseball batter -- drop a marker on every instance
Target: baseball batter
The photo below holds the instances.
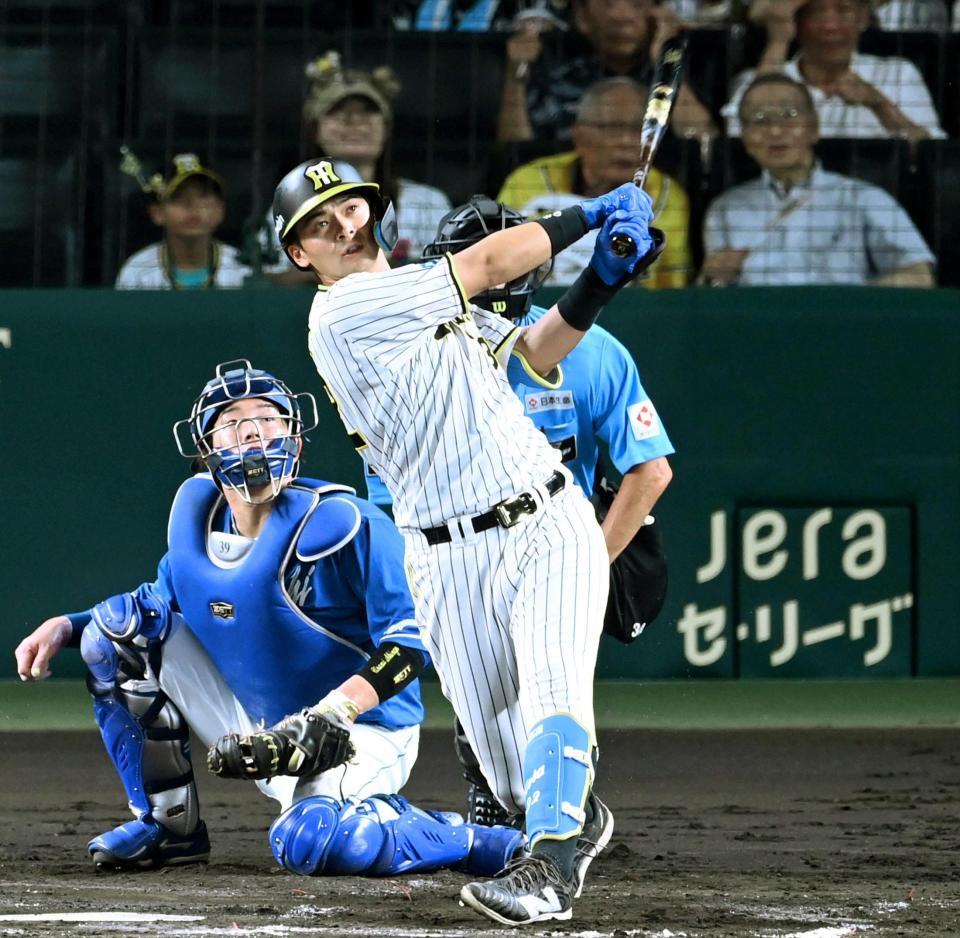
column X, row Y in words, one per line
column 507, row 564
column 593, row 396
column 280, row 603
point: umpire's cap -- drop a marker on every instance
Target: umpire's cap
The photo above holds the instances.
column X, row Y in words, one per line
column 314, row 182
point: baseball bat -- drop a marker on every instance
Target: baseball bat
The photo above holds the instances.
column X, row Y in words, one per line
column 663, row 92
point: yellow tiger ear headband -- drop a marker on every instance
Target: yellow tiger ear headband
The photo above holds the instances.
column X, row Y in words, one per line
column 185, row 165
column 331, row 83
column 130, row 165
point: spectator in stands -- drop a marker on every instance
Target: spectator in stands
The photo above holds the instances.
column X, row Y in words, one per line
column 539, row 101
column 189, row 206
column 349, row 116
column 606, row 139
column 797, row 224
column 856, row 95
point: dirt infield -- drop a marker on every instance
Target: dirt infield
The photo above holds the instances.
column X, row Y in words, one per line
column 812, row 833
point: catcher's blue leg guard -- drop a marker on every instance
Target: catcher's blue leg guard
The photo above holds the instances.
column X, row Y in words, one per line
column 558, row 774
column 384, row 836
column 148, row 742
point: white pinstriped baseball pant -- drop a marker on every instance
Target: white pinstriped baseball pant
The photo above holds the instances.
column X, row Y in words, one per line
column 512, row 618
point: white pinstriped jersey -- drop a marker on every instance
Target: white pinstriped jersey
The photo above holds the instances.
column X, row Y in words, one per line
column 413, row 370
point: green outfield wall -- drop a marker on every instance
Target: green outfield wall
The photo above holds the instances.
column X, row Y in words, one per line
column 812, row 527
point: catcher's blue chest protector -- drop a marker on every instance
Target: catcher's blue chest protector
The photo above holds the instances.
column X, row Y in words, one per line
column 271, row 654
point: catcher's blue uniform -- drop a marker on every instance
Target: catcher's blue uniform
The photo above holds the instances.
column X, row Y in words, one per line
column 320, row 588
column 271, row 625
column 596, row 397
column 301, row 608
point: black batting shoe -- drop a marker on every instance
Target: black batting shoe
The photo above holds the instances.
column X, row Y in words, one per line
column 484, row 809
column 593, row 838
column 530, row 889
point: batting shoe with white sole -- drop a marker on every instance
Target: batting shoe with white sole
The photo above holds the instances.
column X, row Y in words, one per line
column 595, row 836
column 530, row 889
column 144, row 844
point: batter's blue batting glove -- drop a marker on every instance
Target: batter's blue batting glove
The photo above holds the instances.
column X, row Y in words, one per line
column 628, row 197
column 648, row 242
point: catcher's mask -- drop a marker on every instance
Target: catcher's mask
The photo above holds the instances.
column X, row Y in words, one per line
column 314, row 182
column 471, row 222
column 248, row 460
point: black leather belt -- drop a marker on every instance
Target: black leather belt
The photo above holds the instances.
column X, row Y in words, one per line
column 506, row 514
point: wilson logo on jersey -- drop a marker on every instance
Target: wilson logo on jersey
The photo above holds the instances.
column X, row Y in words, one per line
column 223, row 610
column 644, row 421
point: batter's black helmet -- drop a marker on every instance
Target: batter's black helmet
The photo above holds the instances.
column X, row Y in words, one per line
column 472, row 222
column 310, row 184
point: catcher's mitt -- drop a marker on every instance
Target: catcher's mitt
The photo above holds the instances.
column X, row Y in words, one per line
column 306, row 743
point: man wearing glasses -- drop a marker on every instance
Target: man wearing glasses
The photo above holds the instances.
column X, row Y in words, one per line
column 797, row 224
column 606, row 140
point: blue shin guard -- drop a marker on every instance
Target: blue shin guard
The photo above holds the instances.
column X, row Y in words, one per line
column 146, row 738
column 384, row 836
column 122, row 733
column 558, row 774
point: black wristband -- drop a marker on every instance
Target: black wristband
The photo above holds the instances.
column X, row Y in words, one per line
column 564, row 228
column 587, row 295
column 391, row 668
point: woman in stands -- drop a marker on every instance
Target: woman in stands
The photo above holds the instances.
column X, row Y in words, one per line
column 349, row 115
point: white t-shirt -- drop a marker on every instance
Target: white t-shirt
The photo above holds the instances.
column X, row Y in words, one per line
column 145, row 270
column 830, row 229
column 417, row 376
column 897, row 79
column 419, row 210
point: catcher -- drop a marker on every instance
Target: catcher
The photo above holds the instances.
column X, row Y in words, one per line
column 280, row 630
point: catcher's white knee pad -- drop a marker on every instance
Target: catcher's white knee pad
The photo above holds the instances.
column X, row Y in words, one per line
column 557, row 773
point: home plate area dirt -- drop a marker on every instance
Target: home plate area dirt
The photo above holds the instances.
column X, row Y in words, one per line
column 806, row 833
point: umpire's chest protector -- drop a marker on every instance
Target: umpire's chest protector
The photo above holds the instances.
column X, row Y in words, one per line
column 275, row 659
